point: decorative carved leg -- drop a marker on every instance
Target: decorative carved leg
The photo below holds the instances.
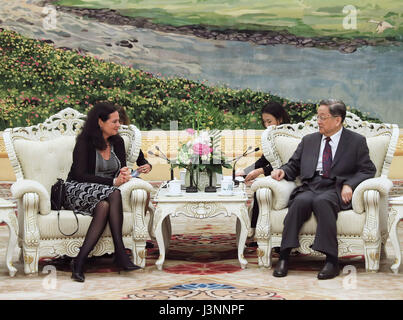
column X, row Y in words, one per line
column 242, row 234
column 395, row 243
column 31, row 233
column 12, row 242
column 139, row 253
column 371, row 232
column 372, row 257
column 140, row 233
column 158, row 220
column 8, row 216
column 237, row 231
column 250, row 230
column 264, row 253
column 167, row 232
column 31, row 259
column 151, row 223
column 263, row 227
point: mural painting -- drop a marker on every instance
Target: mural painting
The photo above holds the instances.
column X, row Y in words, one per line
column 221, row 60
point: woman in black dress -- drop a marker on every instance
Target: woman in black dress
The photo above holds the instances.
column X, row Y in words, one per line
column 98, row 169
column 272, row 114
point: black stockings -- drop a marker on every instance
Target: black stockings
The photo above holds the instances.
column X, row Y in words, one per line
column 109, row 210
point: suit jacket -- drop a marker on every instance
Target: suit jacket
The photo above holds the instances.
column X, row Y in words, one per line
column 351, row 164
column 84, row 161
column 261, row 163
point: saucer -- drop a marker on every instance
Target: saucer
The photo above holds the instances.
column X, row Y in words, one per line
column 225, row 194
column 174, row 194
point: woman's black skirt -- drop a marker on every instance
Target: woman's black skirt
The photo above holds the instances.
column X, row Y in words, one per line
column 82, row 197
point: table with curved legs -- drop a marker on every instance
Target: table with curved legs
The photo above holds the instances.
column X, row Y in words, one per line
column 396, row 214
column 8, row 216
column 199, row 205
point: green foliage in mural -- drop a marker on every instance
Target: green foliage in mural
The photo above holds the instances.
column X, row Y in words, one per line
column 37, row 81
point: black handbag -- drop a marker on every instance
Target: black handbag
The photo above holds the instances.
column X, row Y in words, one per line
column 57, row 196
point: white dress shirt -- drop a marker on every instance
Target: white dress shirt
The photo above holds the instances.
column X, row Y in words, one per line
column 334, row 142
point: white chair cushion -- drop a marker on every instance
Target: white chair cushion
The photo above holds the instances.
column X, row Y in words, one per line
column 286, row 147
column 48, row 228
column 126, row 141
column 45, row 161
column 378, row 147
column 348, row 223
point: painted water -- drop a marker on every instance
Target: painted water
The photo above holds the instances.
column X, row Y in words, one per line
column 369, row 79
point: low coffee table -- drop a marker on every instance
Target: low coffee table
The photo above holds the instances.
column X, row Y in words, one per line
column 199, row 205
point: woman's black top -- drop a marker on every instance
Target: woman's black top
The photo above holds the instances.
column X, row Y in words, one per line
column 261, row 163
column 84, row 161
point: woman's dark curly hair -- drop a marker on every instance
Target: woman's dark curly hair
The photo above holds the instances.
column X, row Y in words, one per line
column 91, row 130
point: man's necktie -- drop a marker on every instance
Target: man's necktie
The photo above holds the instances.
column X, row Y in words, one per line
column 327, row 159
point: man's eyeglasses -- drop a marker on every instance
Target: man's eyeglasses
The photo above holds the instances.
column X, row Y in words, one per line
column 323, row 118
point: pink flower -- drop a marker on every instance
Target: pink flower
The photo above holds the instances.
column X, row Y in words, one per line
column 202, row 149
column 190, row 131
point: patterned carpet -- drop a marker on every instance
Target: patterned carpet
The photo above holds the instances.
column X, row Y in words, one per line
column 201, row 264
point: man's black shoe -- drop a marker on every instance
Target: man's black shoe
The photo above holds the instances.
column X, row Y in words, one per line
column 329, row 271
column 281, row 269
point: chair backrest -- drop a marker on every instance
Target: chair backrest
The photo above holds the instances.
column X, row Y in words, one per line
column 44, row 152
column 280, row 142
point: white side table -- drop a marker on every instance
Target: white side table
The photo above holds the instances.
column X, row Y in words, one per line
column 8, row 216
column 396, row 214
column 199, row 205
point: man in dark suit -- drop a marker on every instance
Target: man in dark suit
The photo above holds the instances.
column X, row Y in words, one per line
column 331, row 164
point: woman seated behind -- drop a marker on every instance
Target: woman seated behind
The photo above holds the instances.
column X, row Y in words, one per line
column 272, row 114
column 98, row 169
column 143, row 165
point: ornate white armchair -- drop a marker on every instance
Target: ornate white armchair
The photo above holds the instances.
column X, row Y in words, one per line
column 42, row 153
column 362, row 230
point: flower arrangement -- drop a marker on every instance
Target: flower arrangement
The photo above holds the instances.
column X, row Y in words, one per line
column 201, row 154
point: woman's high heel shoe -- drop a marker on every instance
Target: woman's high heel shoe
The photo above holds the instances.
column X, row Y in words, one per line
column 126, row 265
column 76, row 274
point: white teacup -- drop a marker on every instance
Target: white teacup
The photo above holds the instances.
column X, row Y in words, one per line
column 174, row 187
column 227, row 185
